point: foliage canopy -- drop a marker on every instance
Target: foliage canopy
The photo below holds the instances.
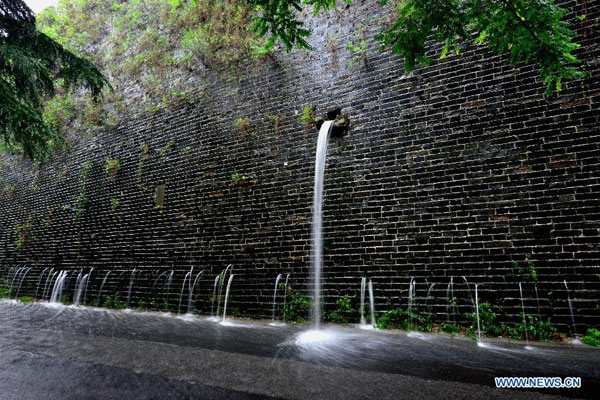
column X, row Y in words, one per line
column 31, row 64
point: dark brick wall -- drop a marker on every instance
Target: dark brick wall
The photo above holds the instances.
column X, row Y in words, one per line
column 455, row 170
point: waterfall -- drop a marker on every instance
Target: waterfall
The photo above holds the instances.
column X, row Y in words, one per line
column 317, row 220
column 275, row 296
column 363, row 284
column 227, row 296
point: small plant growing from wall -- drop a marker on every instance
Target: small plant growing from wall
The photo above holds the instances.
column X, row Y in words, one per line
column 144, row 150
column 168, row 148
column 115, row 204
column 245, row 128
column 82, row 200
column 111, row 167
column 22, row 231
column 528, row 272
column 308, row 116
column 239, row 179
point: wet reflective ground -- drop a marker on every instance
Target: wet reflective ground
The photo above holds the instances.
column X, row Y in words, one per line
column 79, row 352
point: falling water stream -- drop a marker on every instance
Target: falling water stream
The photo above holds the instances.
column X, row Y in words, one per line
column 363, row 284
column 275, row 296
column 372, row 303
column 102, row 287
column 571, row 309
column 317, row 219
column 524, row 315
column 476, row 305
column 188, row 276
column 227, row 296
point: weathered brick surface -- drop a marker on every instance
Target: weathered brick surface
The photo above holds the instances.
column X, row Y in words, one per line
column 455, row 170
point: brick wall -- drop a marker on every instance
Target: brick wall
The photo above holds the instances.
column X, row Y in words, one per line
column 455, row 170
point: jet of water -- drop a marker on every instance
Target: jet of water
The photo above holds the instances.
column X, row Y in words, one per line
column 131, row 279
column 287, row 277
column 58, row 287
column 102, row 287
column 317, row 219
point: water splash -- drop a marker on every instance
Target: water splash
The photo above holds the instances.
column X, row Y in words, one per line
column 317, row 220
column 275, row 296
column 227, row 296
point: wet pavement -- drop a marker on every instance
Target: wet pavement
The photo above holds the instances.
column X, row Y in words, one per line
column 79, row 353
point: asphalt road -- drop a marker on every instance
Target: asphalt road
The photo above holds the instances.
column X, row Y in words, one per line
column 84, row 353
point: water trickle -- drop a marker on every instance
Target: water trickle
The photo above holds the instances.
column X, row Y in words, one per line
column 476, row 305
column 317, row 219
column 167, row 288
column 102, row 287
column 190, row 308
column 571, row 309
column 131, row 279
column 275, row 296
column 363, row 284
column 227, row 296
column 372, row 302
column 187, row 276
column 524, row 315
column 76, row 284
column 287, row 277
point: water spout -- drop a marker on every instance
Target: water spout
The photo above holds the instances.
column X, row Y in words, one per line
column 131, row 279
column 287, row 277
column 58, row 287
column 212, row 306
column 21, row 281
column 317, row 220
column 39, row 281
column 79, row 289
